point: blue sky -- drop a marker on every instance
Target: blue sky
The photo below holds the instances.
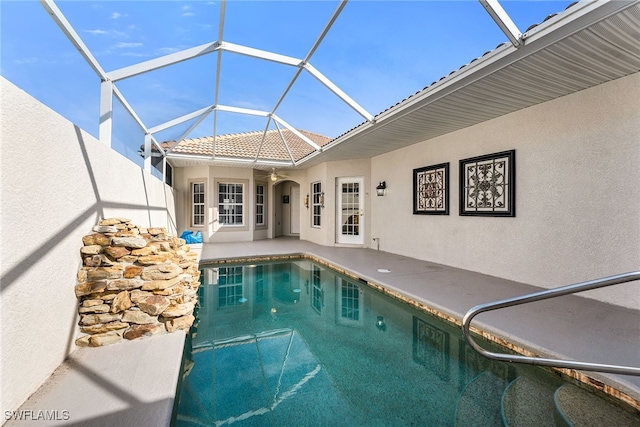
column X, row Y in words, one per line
column 378, row 52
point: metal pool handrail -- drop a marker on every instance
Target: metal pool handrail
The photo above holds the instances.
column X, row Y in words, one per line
column 542, row 295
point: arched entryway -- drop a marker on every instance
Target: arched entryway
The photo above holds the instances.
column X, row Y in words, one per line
column 286, row 221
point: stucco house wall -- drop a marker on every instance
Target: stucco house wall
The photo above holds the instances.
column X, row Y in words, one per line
column 328, row 173
column 577, row 194
column 212, row 231
column 57, row 182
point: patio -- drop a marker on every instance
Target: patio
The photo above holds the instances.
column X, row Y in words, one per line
column 92, row 376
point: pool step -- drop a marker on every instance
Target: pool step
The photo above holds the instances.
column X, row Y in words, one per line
column 479, row 403
column 580, row 408
column 528, row 401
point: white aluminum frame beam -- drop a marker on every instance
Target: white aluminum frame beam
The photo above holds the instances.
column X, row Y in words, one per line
column 108, row 89
column 338, row 92
column 260, row 54
column 223, row 8
column 73, row 37
column 295, row 131
column 240, row 110
column 162, row 61
column 190, row 129
column 503, row 20
column 129, row 109
column 284, row 141
column 275, row 162
column 264, row 136
column 181, row 119
column 188, row 156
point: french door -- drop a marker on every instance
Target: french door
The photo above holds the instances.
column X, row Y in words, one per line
column 350, row 211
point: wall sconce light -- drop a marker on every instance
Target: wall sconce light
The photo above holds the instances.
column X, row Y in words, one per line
column 380, row 325
column 321, row 200
column 306, row 201
column 380, row 189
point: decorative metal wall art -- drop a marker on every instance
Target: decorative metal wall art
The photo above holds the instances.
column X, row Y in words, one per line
column 488, row 185
column 431, row 190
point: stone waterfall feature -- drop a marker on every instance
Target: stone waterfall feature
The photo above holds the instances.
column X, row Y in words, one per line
column 134, row 282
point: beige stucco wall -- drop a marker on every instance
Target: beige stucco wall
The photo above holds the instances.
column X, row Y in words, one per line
column 577, row 195
column 212, row 232
column 328, row 173
column 57, row 182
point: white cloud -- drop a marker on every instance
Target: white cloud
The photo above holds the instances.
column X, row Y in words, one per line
column 30, row 60
column 167, row 50
column 116, row 15
column 96, row 32
column 135, row 54
column 112, row 33
column 123, row 45
column 187, row 11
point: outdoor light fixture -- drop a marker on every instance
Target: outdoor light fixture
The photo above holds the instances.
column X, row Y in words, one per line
column 380, row 324
column 380, row 189
column 306, row 201
column 274, row 177
column 321, row 200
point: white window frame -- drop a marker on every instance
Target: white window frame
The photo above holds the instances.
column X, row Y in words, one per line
column 261, row 204
column 230, row 286
column 240, row 204
column 200, row 204
column 316, row 206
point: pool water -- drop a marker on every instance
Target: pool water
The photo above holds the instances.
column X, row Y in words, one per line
column 297, row 344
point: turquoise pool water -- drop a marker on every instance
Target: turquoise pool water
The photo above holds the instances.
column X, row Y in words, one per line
column 297, row 344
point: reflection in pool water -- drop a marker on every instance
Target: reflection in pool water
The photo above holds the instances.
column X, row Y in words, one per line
column 298, row 344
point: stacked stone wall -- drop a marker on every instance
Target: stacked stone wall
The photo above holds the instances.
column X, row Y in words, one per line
column 134, row 282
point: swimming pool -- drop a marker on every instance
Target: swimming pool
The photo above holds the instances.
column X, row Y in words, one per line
column 296, row 343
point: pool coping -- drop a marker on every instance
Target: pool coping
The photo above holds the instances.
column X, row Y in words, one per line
column 600, row 381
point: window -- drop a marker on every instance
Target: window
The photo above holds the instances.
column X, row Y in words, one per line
column 197, row 204
column 316, row 191
column 317, row 296
column 350, row 301
column 260, row 204
column 230, row 287
column 230, row 204
column 168, row 174
column 259, row 283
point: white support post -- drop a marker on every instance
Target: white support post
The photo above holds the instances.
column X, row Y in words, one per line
column 164, row 169
column 105, row 127
column 502, row 18
column 147, row 152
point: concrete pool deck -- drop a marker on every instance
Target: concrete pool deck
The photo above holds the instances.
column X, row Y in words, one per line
column 99, row 386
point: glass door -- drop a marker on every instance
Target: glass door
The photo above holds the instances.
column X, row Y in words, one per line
column 350, row 211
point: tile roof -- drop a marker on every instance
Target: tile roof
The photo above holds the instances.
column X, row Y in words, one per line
column 245, row 145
